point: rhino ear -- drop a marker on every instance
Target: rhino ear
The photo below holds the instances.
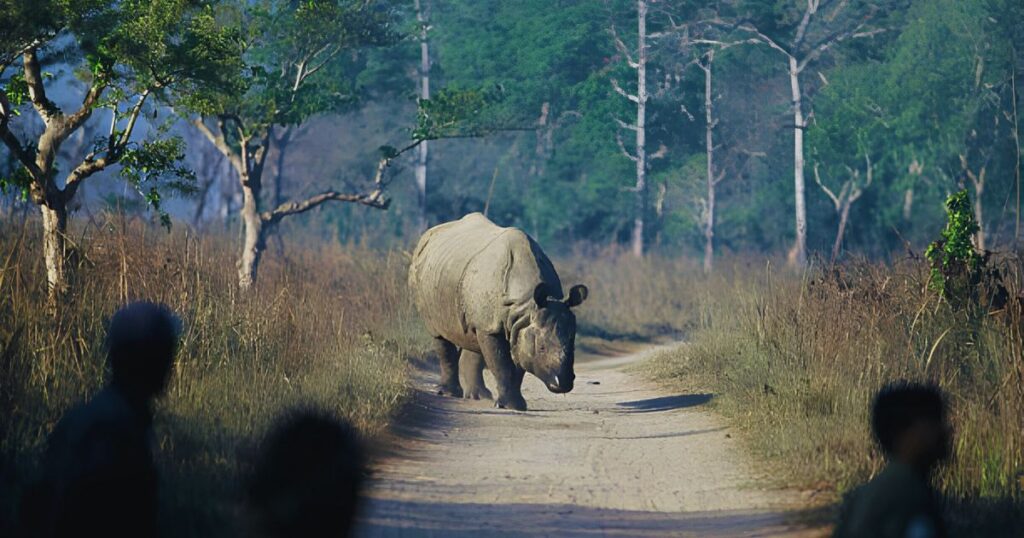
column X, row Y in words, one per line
column 577, row 295
column 540, row 295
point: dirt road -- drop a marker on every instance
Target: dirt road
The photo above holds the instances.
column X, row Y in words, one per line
column 616, row 457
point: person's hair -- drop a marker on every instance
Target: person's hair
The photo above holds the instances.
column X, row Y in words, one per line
column 308, row 476
column 899, row 405
column 142, row 339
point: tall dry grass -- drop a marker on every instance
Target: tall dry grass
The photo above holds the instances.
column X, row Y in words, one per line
column 329, row 327
column 653, row 298
column 795, row 361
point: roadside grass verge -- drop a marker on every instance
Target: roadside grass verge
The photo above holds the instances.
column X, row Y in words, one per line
column 330, row 327
column 649, row 299
column 794, row 362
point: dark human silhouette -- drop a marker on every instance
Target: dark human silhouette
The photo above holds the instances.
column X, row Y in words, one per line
column 307, row 478
column 910, row 423
column 99, row 477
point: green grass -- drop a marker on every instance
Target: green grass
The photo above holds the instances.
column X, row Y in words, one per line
column 330, row 327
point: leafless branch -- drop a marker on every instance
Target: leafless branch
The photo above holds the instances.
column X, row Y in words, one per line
column 816, row 52
column 372, row 199
column 622, row 147
column 217, row 139
column 623, row 49
column 15, row 147
column 618, row 89
column 92, row 97
column 36, row 90
column 624, row 125
column 817, row 179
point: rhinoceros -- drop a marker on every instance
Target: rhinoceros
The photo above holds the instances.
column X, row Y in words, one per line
column 490, row 297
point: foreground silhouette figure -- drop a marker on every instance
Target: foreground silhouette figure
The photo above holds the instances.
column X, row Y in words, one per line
column 99, row 477
column 910, row 423
column 307, row 478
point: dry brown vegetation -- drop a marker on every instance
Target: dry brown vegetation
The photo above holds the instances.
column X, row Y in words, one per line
column 794, row 362
column 331, row 327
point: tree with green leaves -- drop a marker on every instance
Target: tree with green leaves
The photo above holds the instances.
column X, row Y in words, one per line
column 803, row 32
column 848, row 139
column 950, row 83
column 128, row 55
column 299, row 63
column 302, row 61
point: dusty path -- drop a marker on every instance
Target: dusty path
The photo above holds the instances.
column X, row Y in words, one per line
column 616, row 457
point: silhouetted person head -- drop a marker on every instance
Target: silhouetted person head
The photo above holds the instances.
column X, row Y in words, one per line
column 910, row 422
column 308, row 477
column 141, row 343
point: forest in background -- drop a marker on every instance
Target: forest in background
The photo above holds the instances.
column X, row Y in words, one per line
column 900, row 104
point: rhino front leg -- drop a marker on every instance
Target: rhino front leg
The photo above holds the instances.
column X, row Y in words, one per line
column 508, row 376
column 471, row 376
column 449, row 358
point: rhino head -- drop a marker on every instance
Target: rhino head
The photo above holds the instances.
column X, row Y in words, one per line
column 545, row 341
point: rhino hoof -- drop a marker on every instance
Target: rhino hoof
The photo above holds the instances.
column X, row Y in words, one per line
column 477, row 394
column 517, row 404
column 444, row 390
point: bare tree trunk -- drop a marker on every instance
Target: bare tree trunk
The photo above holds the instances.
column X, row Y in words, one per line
column 800, row 246
column 709, row 148
column 844, row 216
column 278, row 194
column 55, row 224
column 908, row 204
column 640, row 203
column 979, row 215
column 254, row 241
column 1016, row 141
column 422, row 151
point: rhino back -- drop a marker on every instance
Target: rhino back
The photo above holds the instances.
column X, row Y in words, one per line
column 471, row 275
column 438, row 266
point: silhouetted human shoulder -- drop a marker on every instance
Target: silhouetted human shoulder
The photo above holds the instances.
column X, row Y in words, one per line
column 99, row 475
column 100, row 466
column 898, row 503
column 910, row 424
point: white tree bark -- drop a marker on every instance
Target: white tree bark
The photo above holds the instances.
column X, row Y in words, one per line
column 254, row 241
column 851, row 191
column 709, row 148
column 640, row 203
column 422, row 151
column 248, row 161
column 55, row 225
column 639, row 155
column 799, row 53
column 799, row 190
column 44, row 191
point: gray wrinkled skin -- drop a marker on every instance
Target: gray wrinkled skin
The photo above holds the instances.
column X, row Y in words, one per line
column 490, row 297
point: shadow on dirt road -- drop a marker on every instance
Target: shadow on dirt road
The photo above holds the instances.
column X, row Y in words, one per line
column 616, row 457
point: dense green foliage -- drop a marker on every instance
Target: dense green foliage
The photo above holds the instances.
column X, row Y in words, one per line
column 954, row 255
column 123, row 54
column 925, row 97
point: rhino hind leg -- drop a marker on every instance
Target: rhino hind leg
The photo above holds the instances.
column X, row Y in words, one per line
column 471, row 376
column 507, row 375
column 449, row 359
